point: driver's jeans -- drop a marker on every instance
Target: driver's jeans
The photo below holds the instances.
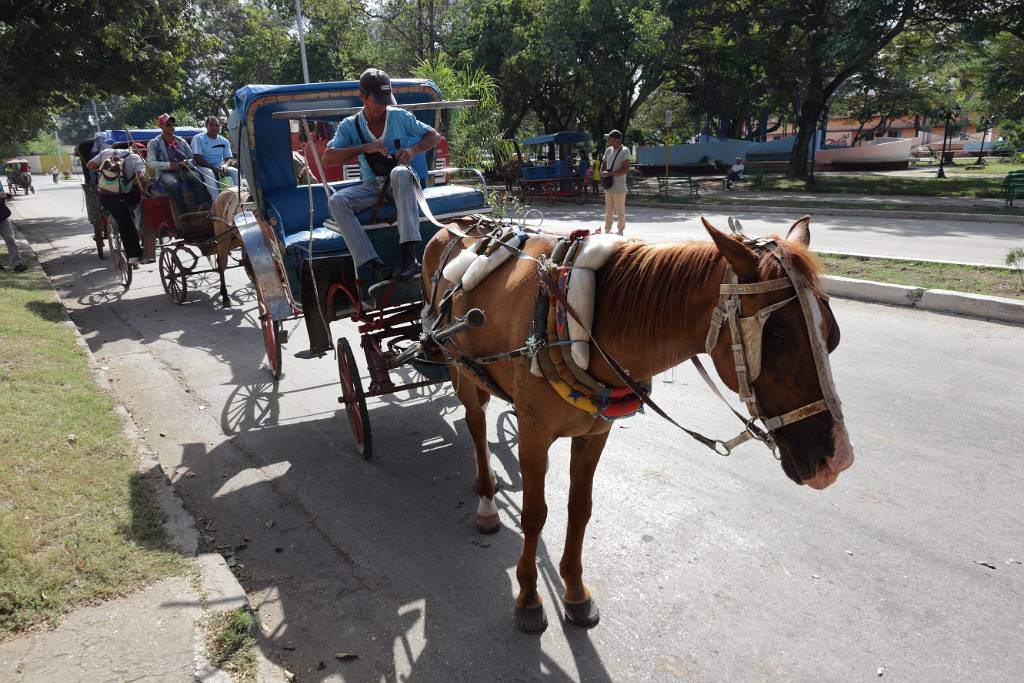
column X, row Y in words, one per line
column 348, row 201
column 210, row 180
column 172, row 181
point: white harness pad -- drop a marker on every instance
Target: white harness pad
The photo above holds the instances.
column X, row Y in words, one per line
column 470, row 268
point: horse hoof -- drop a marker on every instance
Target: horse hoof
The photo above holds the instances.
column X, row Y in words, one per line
column 583, row 614
column 531, row 620
column 487, row 524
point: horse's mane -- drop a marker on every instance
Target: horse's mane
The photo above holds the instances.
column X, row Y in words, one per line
column 643, row 287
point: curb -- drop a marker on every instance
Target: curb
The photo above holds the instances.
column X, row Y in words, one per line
column 994, row 308
column 867, row 213
column 219, row 584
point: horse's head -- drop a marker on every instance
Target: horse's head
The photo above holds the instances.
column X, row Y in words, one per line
column 786, row 331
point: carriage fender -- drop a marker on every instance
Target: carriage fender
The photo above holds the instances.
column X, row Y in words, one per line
column 580, row 295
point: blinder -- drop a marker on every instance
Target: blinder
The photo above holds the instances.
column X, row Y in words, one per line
column 746, row 344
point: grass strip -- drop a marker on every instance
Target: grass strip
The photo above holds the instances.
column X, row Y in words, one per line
column 78, row 523
column 1001, row 282
column 231, row 642
column 876, row 184
column 804, row 206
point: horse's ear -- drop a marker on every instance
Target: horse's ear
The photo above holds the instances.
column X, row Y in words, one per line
column 742, row 260
column 800, row 231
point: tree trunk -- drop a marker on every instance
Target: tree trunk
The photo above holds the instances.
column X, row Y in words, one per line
column 806, row 124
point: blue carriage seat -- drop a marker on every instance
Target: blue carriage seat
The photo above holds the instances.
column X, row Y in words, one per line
column 288, row 211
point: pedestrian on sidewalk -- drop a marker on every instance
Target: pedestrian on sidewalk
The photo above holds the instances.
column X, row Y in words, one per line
column 614, row 167
column 7, row 232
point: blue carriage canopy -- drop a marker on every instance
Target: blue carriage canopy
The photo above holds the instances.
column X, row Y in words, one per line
column 147, row 134
column 563, row 138
column 264, row 144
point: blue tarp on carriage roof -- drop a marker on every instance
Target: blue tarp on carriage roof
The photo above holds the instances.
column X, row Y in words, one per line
column 563, row 138
column 269, row 164
column 148, row 134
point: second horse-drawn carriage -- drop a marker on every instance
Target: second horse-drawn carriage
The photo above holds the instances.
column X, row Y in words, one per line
column 182, row 238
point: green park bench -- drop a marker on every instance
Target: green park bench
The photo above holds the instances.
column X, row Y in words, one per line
column 752, row 176
column 1013, row 187
column 685, row 180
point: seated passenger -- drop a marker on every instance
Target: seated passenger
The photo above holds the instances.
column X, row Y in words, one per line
column 167, row 155
column 210, row 151
column 385, row 139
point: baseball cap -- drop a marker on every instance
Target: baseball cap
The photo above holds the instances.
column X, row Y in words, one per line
column 615, row 133
column 164, row 119
column 377, row 84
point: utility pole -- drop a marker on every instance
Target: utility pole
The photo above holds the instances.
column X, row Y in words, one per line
column 302, row 40
column 60, row 152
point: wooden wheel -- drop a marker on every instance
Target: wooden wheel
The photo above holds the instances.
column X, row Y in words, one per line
column 354, row 399
column 117, row 255
column 172, row 275
column 273, row 335
column 99, row 234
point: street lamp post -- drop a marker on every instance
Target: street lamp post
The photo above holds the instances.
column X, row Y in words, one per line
column 950, row 114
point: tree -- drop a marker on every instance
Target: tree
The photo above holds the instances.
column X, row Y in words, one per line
column 829, row 42
column 471, row 132
column 52, row 59
column 570, row 63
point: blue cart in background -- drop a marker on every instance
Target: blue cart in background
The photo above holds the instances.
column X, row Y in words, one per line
column 562, row 167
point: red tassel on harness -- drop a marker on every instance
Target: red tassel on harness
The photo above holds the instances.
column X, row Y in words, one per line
column 579, row 234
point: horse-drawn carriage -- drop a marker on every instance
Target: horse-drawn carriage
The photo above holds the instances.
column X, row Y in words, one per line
column 182, row 238
column 19, row 176
column 302, row 267
column 755, row 306
column 555, row 172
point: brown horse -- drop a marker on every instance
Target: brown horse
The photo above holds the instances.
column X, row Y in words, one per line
column 228, row 204
column 653, row 310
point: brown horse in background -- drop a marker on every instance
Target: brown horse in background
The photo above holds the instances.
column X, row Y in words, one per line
column 652, row 311
column 228, row 204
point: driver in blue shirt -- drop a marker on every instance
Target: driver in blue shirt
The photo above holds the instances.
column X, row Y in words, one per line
column 389, row 142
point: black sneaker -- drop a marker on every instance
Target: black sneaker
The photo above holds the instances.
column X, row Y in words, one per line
column 377, row 271
column 20, row 268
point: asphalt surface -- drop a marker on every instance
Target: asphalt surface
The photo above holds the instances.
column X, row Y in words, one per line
column 938, row 239
column 705, row 568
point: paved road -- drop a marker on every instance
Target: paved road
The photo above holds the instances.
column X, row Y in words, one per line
column 938, row 239
column 705, row 568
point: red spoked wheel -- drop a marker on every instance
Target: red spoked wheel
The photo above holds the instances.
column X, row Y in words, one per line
column 273, row 335
column 354, row 399
column 173, row 275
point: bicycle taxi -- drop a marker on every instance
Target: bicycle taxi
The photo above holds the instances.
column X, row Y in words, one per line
column 301, row 267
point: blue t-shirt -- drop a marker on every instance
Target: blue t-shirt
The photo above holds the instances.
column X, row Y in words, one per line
column 214, row 150
column 401, row 125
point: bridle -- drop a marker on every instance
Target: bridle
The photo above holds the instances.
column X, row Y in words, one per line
column 746, row 333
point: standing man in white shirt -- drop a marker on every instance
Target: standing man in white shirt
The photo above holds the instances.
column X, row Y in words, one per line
column 614, row 167
column 210, row 151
